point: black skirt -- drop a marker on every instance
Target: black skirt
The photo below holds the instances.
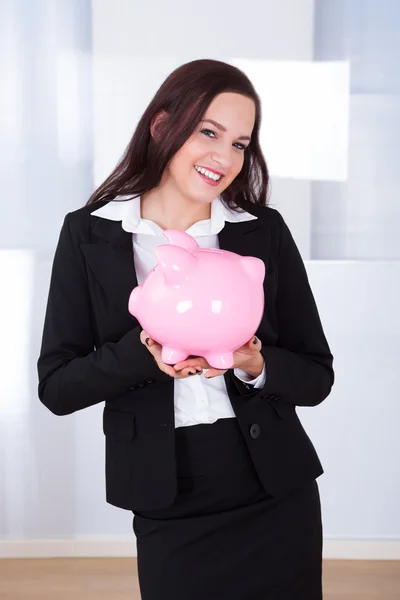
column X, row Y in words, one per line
column 224, row 537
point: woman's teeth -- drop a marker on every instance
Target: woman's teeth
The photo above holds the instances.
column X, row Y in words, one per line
column 208, row 174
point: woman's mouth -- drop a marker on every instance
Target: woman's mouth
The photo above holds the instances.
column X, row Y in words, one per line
column 208, row 176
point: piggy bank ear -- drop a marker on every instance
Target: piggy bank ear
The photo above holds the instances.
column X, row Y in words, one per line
column 176, row 263
column 254, row 267
column 182, row 239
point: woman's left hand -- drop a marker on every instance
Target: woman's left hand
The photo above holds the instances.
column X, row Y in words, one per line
column 248, row 358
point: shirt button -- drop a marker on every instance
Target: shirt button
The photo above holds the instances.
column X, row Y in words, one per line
column 202, row 399
column 255, row 431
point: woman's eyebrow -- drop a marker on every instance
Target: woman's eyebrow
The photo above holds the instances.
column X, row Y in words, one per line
column 222, row 128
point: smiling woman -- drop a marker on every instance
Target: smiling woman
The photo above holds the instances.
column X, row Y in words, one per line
column 210, row 158
column 205, row 462
column 206, row 114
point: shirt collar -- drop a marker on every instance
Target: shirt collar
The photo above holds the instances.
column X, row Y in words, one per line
column 127, row 210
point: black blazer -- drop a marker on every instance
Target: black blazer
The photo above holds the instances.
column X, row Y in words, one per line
column 91, row 352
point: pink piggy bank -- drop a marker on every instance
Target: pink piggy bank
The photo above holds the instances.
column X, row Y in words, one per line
column 200, row 301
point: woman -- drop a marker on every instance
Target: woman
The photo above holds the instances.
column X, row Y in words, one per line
column 215, row 465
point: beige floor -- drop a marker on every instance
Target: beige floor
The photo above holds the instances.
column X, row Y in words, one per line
column 116, row 579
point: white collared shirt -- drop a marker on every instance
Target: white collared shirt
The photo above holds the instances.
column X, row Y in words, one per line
column 196, row 399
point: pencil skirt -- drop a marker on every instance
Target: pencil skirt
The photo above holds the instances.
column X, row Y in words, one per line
column 225, row 537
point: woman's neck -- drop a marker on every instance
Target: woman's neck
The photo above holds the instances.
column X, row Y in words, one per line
column 176, row 213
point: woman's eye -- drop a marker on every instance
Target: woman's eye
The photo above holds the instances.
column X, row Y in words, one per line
column 240, row 146
column 207, row 132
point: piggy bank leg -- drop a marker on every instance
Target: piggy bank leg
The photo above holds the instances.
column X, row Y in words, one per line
column 220, row 360
column 170, row 356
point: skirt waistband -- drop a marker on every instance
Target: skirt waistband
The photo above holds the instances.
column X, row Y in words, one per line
column 211, row 449
column 227, row 427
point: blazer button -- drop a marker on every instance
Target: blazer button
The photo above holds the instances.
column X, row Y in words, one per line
column 255, row 431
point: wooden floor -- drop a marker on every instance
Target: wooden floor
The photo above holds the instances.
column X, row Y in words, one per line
column 116, row 579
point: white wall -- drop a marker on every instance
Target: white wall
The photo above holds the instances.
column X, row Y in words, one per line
column 356, row 429
column 360, row 219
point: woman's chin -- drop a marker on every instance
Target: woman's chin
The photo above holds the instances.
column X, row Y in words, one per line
column 202, row 196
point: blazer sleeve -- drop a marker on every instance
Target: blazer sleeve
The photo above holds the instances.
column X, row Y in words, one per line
column 73, row 374
column 299, row 366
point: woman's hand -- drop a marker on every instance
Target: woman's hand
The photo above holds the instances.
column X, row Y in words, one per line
column 248, row 358
column 155, row 350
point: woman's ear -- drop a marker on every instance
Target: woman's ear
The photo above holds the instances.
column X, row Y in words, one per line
column 156, row 120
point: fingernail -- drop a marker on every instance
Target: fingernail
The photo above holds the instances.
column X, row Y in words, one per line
column 255, row 340
column 147, row 341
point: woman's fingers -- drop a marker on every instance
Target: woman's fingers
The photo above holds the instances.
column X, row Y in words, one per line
column 214, row 373
column 196, row 363
column 146, row 339
column 184, row 373
column 155, row 350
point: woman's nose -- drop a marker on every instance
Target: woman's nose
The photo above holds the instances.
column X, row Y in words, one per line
column 223, row 158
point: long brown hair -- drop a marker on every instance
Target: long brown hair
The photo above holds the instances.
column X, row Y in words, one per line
column 185, row 96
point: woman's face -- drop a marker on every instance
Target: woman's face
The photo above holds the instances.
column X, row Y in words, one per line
column 217, row 145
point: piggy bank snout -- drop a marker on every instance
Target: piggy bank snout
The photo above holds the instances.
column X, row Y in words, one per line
column 133, row 301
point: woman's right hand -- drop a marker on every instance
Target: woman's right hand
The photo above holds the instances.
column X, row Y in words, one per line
column 155, row 350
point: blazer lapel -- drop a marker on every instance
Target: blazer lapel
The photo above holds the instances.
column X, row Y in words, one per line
column 110, row 258
column 240, row 237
